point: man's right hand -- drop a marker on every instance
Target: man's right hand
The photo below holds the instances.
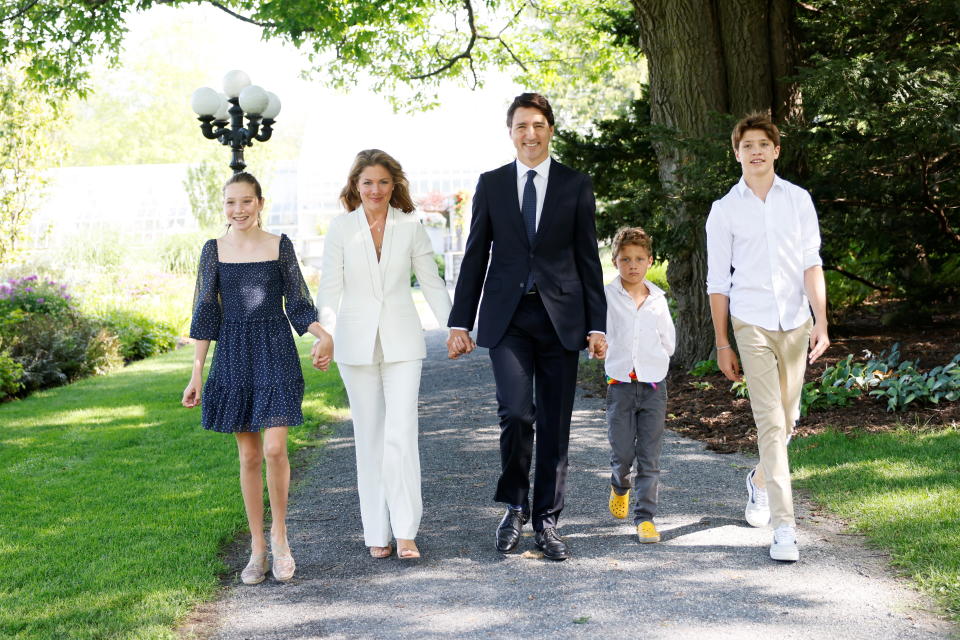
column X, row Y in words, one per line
column 458, row 343
column 729, row 365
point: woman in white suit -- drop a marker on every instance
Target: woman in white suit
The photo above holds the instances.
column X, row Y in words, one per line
column 365, row 302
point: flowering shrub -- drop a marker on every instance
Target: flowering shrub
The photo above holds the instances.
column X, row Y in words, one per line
column 55, row 350
column 32, row 295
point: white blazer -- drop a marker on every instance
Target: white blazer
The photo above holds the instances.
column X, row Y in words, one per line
column 360, row 297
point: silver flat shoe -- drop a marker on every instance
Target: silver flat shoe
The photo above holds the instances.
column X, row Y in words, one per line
column 283, row 565
column 256, row 570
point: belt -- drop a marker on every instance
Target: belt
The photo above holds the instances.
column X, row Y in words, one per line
column 533, row 292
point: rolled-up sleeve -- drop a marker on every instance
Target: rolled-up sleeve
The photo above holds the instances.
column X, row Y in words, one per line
column 809, row 231
column 207, row 313
column 297, row 302
column 719, row 252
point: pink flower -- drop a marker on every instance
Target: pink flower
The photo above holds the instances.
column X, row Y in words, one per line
column 40, row 300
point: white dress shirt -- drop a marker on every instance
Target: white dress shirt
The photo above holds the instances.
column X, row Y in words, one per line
column 539, row 181
column 638, row 339
column 767, row 245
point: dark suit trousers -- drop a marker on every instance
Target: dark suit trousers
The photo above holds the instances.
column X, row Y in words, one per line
column 530, row 358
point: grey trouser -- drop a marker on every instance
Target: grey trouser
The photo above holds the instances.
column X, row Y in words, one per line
column 635, row 416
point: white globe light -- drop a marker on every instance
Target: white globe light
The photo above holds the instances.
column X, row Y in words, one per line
column 223, row 111
column 234, row 82
column 273, row 106
column 254, row 99
column 205, row 101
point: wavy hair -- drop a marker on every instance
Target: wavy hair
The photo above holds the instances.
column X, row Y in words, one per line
column 400, row 198
column 634, row 236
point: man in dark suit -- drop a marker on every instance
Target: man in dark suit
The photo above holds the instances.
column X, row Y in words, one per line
column 543, row 302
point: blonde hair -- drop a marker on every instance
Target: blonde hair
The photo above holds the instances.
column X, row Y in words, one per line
column 400, row 198
column 632, row 236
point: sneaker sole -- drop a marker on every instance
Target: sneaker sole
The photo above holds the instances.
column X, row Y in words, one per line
column 754, row 522
column 785, row 556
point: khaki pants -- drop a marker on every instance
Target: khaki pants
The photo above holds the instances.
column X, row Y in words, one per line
column 773, row 365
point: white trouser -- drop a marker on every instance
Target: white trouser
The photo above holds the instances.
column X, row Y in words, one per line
column 383, row 404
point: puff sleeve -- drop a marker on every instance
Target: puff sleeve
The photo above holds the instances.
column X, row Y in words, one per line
column 207, row 313
column 297, row 303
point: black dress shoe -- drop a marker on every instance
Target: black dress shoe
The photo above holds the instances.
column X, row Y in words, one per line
column 552, row 545
column 508, row 533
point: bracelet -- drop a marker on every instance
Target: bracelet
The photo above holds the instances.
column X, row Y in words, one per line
column 726, row 346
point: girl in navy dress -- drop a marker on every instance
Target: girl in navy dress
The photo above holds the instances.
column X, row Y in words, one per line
column 249, row 291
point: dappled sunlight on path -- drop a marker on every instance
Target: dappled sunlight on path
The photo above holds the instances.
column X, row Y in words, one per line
column 710, row 577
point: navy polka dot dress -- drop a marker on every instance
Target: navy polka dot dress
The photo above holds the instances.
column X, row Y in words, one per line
column 255, row 380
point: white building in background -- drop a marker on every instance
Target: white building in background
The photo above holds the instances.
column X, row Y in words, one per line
column 144, row 203
column 443, row 150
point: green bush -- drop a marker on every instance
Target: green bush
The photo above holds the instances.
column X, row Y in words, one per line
column 180, row 253
column 55, row 350
column 705, row 368
column 46, row 339
column 139, row 336
column 96, row 249
column 657, row 274
column 11, row 374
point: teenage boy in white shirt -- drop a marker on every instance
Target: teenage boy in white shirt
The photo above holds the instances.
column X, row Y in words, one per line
column 640, row 340
column 765, row 273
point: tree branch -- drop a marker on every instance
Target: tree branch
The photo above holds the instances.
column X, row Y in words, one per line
column 21, row 11
column 466, row 54
column 932, row 207
column 859, row 279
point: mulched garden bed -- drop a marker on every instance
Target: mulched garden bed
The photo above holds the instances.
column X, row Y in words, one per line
column 725, row 423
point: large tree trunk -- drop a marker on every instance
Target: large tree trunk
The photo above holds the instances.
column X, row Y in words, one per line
column 723, row 56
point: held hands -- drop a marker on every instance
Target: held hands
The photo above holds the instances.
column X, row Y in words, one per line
column 459, row 343
column 728, row 363
column 596, row 346
column 191, row 395
column 819, row 341
column 322, row 352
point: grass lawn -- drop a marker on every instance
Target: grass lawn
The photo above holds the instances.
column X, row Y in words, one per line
column 902, row 489
column 115, row 504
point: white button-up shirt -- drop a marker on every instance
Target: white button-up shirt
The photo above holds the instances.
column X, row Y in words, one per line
column 638, row 339
column 539, row 181
column 767, row 245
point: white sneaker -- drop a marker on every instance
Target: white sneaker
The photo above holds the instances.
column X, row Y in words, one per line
column 757, row 512
column 784, row 545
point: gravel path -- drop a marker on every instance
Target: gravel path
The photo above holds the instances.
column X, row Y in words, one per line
column 711, row 576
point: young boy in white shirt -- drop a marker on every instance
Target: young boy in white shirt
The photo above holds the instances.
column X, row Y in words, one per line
column 765, row 273
column 640, row 340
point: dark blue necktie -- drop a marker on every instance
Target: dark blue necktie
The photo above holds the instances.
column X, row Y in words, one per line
column 529, row 210
column 529, row 206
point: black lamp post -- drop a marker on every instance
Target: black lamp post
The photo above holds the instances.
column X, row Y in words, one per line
column 239, row 97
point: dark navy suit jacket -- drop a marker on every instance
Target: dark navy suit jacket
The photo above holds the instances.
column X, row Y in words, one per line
column 563, row 258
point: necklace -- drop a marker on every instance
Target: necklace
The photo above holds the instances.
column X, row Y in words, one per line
column 377, row 225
